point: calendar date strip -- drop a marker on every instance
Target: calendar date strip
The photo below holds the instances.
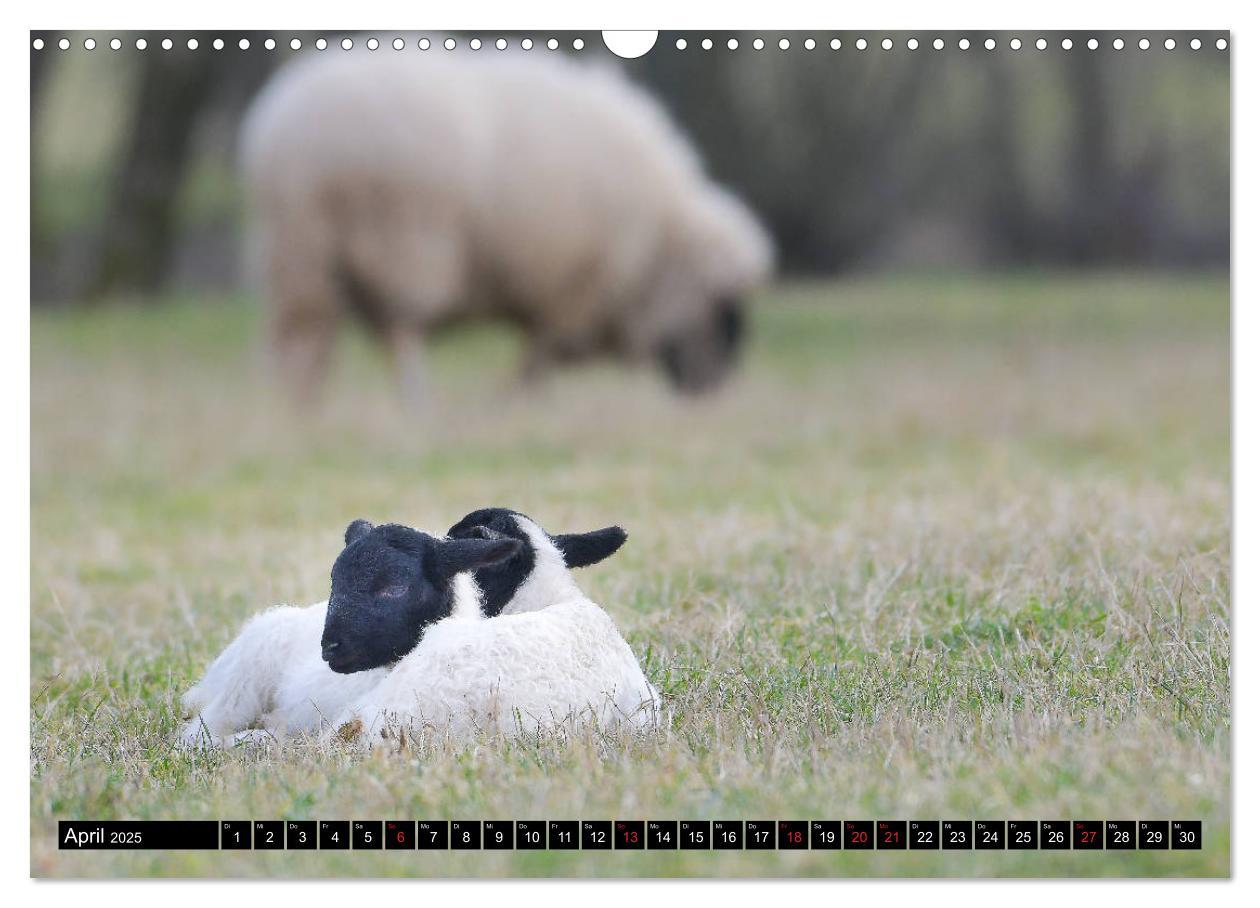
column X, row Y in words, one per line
column 623, row 835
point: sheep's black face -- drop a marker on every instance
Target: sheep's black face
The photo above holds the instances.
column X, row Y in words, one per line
column 388, row 584
column 500, row 581
column 698, row 357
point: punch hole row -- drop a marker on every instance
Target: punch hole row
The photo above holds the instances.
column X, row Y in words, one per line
column 731, row 44
column 940, row 44
column 65, row 44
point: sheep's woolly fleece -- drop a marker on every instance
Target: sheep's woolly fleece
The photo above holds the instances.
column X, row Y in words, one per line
column 543, row 190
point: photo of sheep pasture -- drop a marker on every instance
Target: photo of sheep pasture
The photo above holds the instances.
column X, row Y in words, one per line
column 946, row 545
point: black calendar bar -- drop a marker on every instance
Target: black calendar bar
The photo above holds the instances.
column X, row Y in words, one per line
column 383, row 836
column 135, row 835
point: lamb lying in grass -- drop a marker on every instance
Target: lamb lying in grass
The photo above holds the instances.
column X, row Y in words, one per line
column 293, row 670
column 550, row 658
column 272, row 680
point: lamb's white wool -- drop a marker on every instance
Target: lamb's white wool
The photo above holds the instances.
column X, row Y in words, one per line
column 562, row 666
column 467, row 605
column 417, row 189
column 272, row 677
column 550, row 582
column 552, row 658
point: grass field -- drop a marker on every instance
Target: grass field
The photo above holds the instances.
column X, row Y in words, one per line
column 949, row 547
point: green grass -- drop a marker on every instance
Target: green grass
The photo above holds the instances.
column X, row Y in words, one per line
column 946, row 547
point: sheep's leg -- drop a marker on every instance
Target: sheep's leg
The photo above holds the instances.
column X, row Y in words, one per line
column 535, row 366
column 230, row 698
column 240, row 685
column 257, row 737
column 407, row 271
column 196, row 734
column 305, row 298
column 303, row 342
column 544, row 355
column 406, row 349
column 555, row 346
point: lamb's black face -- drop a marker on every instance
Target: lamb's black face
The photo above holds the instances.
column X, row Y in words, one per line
column 499, row 582
column 698, row 357
column 388, row 584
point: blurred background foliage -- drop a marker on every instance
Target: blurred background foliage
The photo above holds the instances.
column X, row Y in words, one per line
column 857, row 160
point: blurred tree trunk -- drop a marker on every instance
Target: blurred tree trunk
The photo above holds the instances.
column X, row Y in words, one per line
column 40, row 242
column 137, row 234
column 1087, row 233
column 39, row 69
column 1007, row 212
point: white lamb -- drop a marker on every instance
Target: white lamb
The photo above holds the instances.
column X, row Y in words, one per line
column 272, row 679
column 550, row 656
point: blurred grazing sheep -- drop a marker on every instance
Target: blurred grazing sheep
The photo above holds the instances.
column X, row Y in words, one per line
column 413, row 191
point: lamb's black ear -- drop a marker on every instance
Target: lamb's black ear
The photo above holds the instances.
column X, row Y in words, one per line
column 455, row 555
column 357, row 530
column 583, row 549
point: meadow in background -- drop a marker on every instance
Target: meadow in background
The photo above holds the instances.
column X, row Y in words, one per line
column 948, row 546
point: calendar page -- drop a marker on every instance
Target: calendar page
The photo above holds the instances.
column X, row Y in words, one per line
column 660, row 454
